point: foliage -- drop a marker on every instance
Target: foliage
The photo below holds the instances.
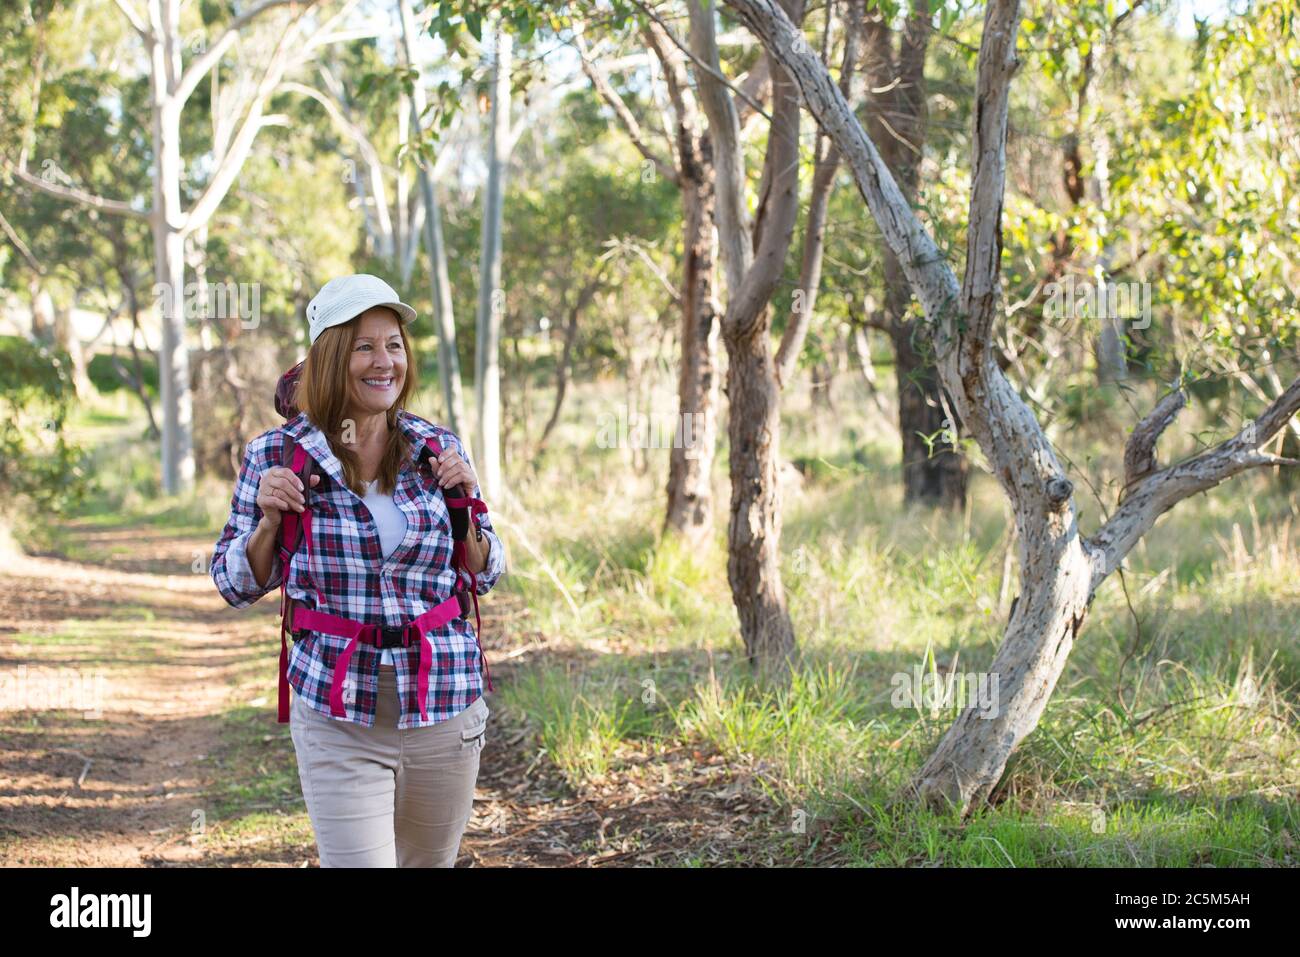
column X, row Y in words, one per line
column 37, row 460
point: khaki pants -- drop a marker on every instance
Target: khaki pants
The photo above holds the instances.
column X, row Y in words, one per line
column 383, row 797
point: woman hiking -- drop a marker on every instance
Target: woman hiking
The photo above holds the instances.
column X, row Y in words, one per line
column 388, row 716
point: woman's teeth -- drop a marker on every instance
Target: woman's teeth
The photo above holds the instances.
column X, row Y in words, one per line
column 378, row 383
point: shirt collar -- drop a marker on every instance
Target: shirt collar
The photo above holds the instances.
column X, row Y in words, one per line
column 313, row 440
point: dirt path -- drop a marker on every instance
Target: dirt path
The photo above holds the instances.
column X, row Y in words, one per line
column 108, row 787
column 183, row 763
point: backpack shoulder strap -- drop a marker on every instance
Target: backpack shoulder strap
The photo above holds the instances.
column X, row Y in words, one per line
column 462, row 509
column 292, row 526
column 431, row 449
column 295, row 458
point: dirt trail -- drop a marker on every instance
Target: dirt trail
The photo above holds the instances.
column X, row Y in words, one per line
column 125, row 785
column 154, row 652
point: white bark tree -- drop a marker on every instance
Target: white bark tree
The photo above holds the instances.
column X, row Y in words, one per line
column 491, row 297
column 1061, row 568
column 172, row 82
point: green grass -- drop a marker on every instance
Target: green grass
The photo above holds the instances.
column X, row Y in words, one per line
column 254, row 803
column 1161, row 830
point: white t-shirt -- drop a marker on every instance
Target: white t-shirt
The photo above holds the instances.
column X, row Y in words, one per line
column 391, row 524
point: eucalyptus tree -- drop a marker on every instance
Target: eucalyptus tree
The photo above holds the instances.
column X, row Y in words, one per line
column 678, row 150
column 286, row 34
column 1060, row 567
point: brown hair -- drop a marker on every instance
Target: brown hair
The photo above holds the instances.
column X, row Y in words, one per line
column 324, row 390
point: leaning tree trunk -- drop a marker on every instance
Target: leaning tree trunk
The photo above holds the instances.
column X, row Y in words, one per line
column 1056, row 582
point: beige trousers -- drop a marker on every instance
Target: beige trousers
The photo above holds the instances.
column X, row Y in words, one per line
column 384, row 797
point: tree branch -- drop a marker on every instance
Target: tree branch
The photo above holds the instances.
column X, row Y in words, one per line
column 230, row 164
column 630, row 124
column 796, row 329
column 981, row 287
column 1139, row 452
column 754, row 88
column 708, row 66
column 136, row 21
column 200, row 66
column 728, row 158
column 72, row 194
column 1163, row 490
column 778, row 208
column 16, row 241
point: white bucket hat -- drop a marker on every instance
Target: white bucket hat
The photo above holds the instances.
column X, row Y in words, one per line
column 346, row 297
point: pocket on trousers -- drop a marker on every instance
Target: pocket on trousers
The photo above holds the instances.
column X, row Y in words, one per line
column 475, row 735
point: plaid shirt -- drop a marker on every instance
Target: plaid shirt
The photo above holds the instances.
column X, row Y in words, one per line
column 355, row 580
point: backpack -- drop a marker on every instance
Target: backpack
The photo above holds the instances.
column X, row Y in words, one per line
column 294, row 527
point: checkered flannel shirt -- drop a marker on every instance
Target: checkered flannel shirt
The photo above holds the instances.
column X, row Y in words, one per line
column 354, row 580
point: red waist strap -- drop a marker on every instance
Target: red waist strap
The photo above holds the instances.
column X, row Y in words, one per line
column 377, row 635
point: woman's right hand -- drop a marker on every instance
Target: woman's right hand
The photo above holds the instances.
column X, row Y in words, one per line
column 279, row 491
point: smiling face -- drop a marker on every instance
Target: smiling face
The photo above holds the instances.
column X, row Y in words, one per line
column 377, row 367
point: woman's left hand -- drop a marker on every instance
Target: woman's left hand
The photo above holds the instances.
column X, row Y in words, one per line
column 452, row 470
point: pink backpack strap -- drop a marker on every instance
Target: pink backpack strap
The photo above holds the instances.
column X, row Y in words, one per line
column 459, row 558
column 476, row 506
column 295, row 529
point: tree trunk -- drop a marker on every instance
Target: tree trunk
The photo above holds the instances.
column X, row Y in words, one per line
column 933, row 477
column 448, row 358
column 137, row 380
column 174, row 365
column 753, row 256
column 439, row 281
column 65, row 336
column 690, row 468
column 585, row 296
column 169, row 254
column 896, row 118
column 42, row 312
column 754, row 532
column 1056, row 585
column 490, row 295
